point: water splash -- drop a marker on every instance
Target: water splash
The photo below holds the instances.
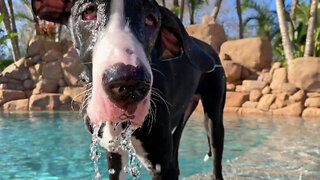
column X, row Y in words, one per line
column 123, row 142
column 94, row 153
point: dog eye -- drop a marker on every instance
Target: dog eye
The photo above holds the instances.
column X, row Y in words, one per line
column 150, row 21
column 90, row 13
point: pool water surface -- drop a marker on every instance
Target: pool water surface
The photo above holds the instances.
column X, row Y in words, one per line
column 47, row 145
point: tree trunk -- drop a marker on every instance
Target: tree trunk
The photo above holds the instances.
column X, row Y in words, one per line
column 164, row 3
column 287, row 46
column 216, row 9
column 240, row 19
column 293, row 18
column 311, row 27
column 181, row 10
column 191, row 11
column 176, row 3
column 58, row 35
column 15, row 44
column 7, row 26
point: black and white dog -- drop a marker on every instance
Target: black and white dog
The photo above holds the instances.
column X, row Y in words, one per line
column 138, row 58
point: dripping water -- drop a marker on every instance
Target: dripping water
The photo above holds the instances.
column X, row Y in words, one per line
column 94, row 153
column 123, row 142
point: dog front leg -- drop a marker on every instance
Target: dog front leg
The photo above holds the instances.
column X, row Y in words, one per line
column 115, row 165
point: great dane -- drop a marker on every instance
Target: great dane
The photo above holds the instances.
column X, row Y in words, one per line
column 143, row 69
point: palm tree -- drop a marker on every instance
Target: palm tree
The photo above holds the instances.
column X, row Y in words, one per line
column 293, row 18
column 240, row 19
column 10, row 27
column 216, row 9
column 311, row 27
column 287, row 46
column 265, row 20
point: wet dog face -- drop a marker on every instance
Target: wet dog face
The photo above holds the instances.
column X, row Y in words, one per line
column 114, row 40
column 119, row 46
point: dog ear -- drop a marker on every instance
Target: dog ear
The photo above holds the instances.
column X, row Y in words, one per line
column 174, row 40
column 52, row 10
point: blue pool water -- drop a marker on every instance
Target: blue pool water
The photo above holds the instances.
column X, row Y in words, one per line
column 47, row 145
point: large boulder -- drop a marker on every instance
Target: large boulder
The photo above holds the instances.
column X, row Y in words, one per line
column 232, row 70
column 46, row 86
column 76, row 93
column 252, row 53
column 266, row 101
column 71, row 67
column 17, row 105
column 294, row 109
column 298, row 96
column 311, row 112
column 255, row 95
column 212, row 34
column 279, row 78
column 49, row 102
column 52, row 55
column 249, row 85
column 16, row 70
column 36, row 45
column 52, row 70
column 36, row 71
column 236, row 99
column 9, row 95
column 312, row 102
column 304, row 73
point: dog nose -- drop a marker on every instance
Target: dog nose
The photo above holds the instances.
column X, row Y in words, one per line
column 126, row 84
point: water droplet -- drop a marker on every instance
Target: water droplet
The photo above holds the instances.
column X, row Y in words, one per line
column 123, row 142
column 94, row 153
column 111, row 171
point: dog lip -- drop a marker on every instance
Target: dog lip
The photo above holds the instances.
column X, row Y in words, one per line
column 126, row 117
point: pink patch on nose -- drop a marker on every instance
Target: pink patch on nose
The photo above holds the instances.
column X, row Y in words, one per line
column 101, row 109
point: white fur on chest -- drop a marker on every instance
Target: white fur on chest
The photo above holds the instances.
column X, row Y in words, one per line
column 109, row 133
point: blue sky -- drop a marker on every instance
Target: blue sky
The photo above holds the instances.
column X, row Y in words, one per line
column 228, row 14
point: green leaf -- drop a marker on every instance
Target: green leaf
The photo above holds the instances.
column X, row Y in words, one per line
column 23, row 16
column 4, row 38
column 1, row 17
column 302, row 13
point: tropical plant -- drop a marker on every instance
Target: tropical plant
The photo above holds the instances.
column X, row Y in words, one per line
column 265, row 19
column 10, row 27
column 5, row 63
column 4, row 37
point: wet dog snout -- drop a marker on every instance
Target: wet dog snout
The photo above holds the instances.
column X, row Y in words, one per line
column 126, row 84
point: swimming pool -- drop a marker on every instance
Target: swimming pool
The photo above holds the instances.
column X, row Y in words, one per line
column 47, row 145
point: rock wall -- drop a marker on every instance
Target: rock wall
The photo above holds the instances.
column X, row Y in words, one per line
column 47, row 79
column 292, row 91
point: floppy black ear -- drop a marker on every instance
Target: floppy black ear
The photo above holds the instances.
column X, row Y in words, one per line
column 175, row 40
column 52, row 10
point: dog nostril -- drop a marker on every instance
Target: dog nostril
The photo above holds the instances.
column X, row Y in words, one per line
column 119, row 90
column 127, row 92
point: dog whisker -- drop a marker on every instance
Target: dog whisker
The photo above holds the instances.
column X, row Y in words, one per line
column 156, row 70
column 157, row 95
